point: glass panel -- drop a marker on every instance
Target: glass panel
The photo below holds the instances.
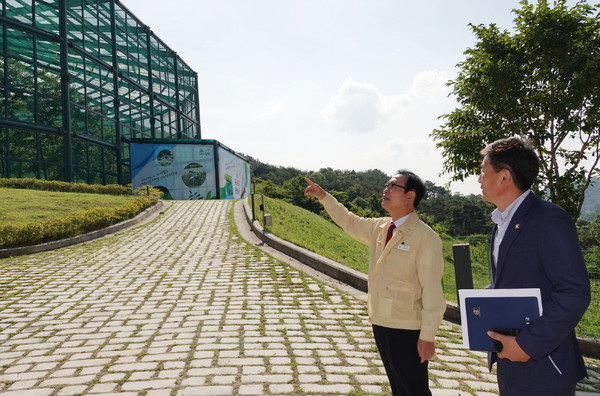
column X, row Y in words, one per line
column 111, row 179
column 128, row 133
column 52, row 172
column 80, row 175
column 96, row 177
column 20, row 106
column 20, row 43
column 110, row 161
column 77, row 93
column 49, row 99
column 52, row 147
column 49, row 83
column 46, row 17
column 50, row 112
column 3, row 133
column 23, row 144
column 109, row 131
column 78, row 119
column 48, row 54
column 126, row 168
column 23, row 169
column 74, row 23
column 4, row 102
column 76, row 65
column 79, row 154
column 95, row 157
column 19, row 10
column 108, row 106
column 20, row 74
column 94, row 127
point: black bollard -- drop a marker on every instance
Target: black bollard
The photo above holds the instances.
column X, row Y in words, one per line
column 462, row 267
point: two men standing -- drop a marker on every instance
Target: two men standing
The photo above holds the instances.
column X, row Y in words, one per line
column 534, row 245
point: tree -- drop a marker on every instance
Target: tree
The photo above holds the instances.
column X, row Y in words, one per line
column 541, row 82
column 460, row 215
column 589, row 233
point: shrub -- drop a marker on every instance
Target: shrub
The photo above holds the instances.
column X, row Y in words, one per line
column 77, row 224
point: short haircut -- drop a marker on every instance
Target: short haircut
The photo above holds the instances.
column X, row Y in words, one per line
column 413, row 183
column 516, row 155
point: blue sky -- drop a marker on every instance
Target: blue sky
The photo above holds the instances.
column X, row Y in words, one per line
column 345, row 84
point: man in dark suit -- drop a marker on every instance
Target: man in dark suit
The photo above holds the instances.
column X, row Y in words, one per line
column 534, row 245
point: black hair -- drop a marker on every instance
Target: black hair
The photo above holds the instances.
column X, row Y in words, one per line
column 516, row 155
column 413, row 183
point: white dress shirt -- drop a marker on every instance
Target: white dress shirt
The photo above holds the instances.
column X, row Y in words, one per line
column 502, row 220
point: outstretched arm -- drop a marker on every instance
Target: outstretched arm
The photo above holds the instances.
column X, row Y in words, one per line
column 314, row 190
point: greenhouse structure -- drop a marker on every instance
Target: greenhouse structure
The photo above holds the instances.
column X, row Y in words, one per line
column 83, row 80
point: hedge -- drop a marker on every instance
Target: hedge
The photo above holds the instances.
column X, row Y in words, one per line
column 70, row 226
column 48, row 185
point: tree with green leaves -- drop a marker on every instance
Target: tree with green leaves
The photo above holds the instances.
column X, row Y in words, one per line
column 541, row 81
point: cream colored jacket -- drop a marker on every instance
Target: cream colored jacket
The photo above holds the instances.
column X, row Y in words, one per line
column 405, row 277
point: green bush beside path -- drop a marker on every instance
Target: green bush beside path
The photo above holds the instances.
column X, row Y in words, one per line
column 34, row 211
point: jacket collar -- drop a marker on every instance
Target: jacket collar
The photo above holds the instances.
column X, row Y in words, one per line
column 517, row 223
column 405, row 229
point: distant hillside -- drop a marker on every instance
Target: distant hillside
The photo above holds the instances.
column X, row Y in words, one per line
column 591, row 205
column 279, row 174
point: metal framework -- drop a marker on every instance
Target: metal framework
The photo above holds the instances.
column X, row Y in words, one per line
column 79, row 79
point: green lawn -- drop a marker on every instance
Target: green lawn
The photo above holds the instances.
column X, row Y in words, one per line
column 21, row 206
column 316, row 234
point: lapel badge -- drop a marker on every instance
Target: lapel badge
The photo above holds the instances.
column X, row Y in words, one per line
column 517, row 226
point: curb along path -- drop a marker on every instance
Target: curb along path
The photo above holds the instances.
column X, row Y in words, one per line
column 181, row 306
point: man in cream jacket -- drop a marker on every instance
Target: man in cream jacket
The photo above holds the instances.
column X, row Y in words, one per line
column 405, row 299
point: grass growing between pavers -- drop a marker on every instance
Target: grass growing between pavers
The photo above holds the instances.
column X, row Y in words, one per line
column 289, row 280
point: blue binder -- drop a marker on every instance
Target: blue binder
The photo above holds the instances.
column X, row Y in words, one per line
column 488, row 309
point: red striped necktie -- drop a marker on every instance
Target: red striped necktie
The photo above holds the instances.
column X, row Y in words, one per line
column 390, row 232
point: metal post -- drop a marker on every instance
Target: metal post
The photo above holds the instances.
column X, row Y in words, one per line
column 65, row 82
column 252, row 195
column 462, row 267
column 262, row 208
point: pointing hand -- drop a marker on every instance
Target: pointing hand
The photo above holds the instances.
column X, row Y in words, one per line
column 314, row 190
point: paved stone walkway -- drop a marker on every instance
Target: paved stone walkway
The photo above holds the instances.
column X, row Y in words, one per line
column 183, row 306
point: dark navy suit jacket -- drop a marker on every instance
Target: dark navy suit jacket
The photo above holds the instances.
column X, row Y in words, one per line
column 541, row 250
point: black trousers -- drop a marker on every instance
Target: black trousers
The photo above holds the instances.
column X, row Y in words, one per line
column 507, row 389
column 398, row 350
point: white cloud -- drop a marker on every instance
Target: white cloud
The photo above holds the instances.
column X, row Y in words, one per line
column 355, row 107
column 429, row 86
column 361, row 108
column 271, row 110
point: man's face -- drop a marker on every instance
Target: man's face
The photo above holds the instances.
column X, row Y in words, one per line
column 489, row 181
column 394, row 194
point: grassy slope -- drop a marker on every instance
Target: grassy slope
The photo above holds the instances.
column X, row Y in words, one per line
column 21, row 206
column 316, row 234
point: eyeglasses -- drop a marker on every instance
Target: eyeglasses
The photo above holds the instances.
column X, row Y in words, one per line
column 389, row 185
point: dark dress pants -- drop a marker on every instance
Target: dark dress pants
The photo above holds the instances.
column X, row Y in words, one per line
column 507, row 389
column 398, row 350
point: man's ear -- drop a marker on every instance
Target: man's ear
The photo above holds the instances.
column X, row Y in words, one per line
column 506, row 176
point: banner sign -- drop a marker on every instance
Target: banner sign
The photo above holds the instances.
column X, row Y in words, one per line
column 234, row 175
column 180, row 171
